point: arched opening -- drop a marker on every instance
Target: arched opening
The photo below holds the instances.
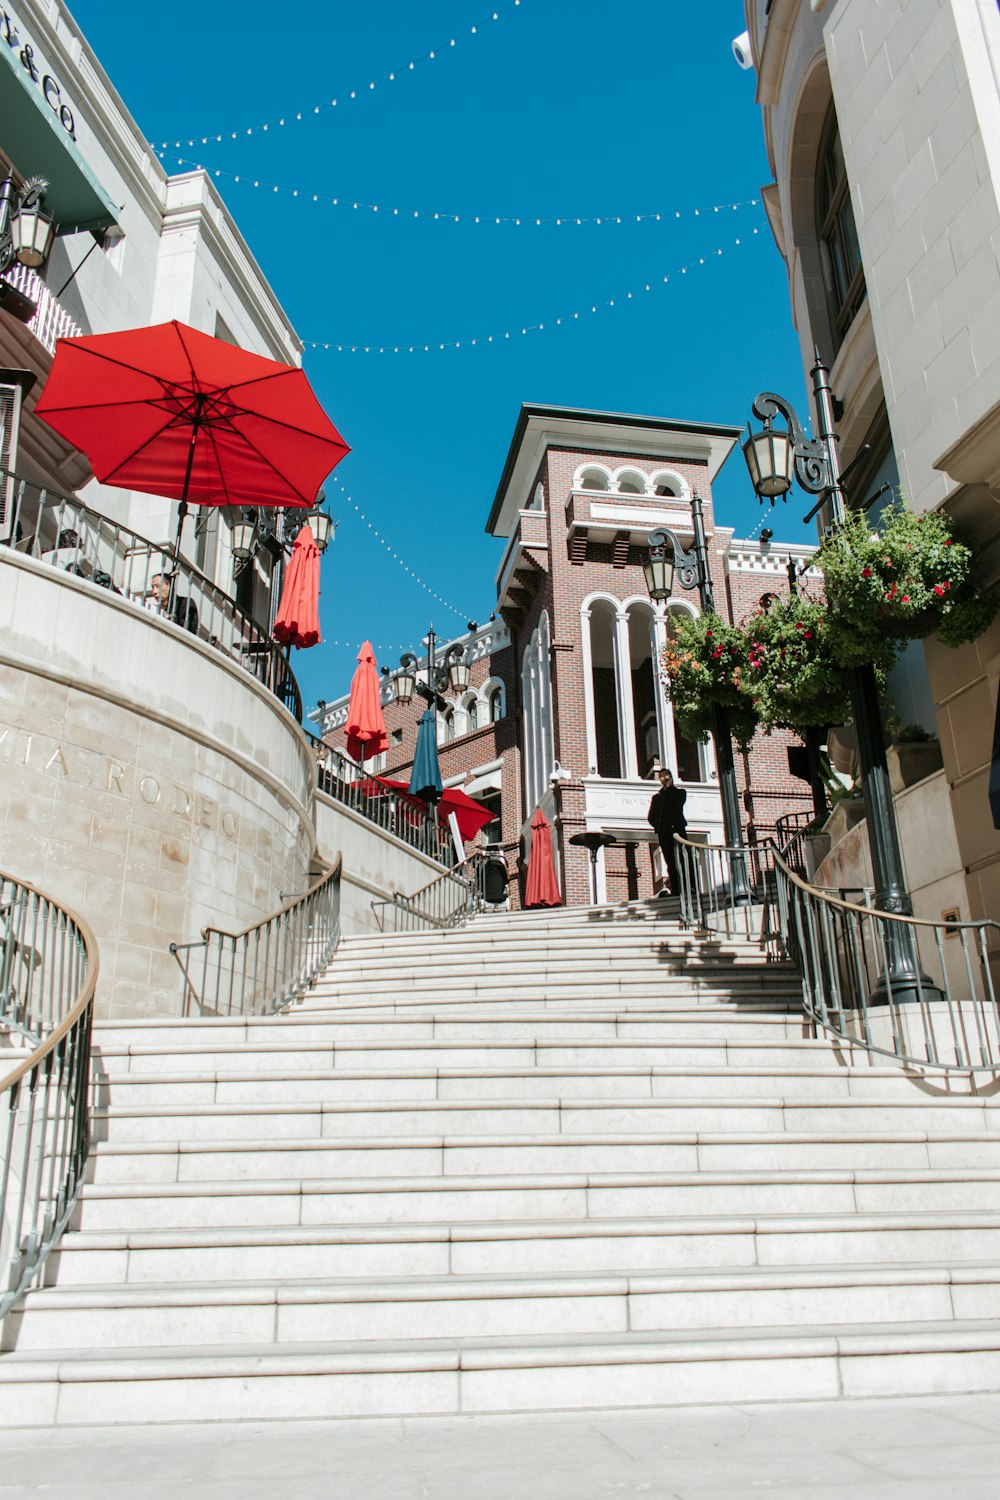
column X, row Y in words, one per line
column 690, row 762
column 593, row 478
column 631, row 482
column 642, row 671
column 602, row 657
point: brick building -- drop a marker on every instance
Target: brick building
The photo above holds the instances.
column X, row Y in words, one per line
column 565, row 708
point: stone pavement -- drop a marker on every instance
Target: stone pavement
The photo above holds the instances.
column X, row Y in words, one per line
column 923, row 1448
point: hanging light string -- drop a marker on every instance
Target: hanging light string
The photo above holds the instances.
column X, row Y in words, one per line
column 311, row 111
column 512, row 333
column 463, row 614
column 447, row 216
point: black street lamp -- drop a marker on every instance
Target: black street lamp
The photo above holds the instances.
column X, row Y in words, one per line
column 26, row 233
column 667, row 559
column 452, row 673
column 774, row 457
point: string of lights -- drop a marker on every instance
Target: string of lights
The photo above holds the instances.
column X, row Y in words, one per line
column 392, row 551
column 446, row 216
column 482, row 340
column 345, row 99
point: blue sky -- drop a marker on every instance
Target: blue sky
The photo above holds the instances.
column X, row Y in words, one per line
column 553, row 110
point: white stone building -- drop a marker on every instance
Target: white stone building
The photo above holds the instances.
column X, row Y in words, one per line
column 882, row 123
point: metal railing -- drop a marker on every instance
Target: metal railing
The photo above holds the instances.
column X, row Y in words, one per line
column 447, row 901
column 262, row 968
column 50, row 320
column 68, row 534
column 48, row 972
column 391, row 810
column 916, row 991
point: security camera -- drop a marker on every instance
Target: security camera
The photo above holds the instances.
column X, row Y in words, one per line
column 741, row 50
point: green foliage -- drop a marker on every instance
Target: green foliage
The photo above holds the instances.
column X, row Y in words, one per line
column 794, row 674
column 704, row 664
column 911, row 578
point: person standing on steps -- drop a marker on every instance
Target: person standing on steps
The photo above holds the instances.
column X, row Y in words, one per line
column 666, row 816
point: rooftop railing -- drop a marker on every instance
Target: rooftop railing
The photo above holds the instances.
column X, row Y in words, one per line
column 66, row 533
column 48, row 971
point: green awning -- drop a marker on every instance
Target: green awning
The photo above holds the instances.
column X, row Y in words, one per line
column 39, row 146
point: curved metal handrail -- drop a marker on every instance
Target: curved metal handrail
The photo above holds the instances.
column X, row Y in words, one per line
column 394, row 812
column 446, row 901
column 49, row 965
column 263, row 967
column 37, row 523
column 913, row 990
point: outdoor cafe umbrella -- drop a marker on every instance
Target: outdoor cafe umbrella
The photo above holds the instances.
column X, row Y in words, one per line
column 297, row 620
column 366, row 732
column 171, row 411
column 425, row 779
column 470, row 815
column 541, row 887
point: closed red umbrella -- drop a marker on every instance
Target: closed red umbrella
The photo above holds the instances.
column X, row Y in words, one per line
column 541, row 887
column 365, row 728
column 171, row 411
column 297, row 620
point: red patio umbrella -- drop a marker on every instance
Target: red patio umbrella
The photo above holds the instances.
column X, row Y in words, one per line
column 471, row 815
column 365, row 728
column 171, row 411
column 297, row 620
column 541, row 887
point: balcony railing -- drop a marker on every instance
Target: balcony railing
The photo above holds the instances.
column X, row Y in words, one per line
column 66, row 533
column 51, row 321
column 393, row 811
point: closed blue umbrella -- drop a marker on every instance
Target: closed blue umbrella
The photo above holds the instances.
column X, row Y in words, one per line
column 426, row 780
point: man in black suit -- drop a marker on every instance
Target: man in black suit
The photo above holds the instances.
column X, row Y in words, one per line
column 666, row 815
column 181, row 609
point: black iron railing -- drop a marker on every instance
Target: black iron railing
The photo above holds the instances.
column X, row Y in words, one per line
column 447, row 901
column 48, row 971
column 68, row 534
column 392, row 810
column 262, row 968
column 941, row 1014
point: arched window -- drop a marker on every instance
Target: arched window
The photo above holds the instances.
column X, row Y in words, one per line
column 668, row 485
column 470, row 707
column 603, row 667
column 593, row 478
column 631, row 482
column 837, row 233
column 495, row 704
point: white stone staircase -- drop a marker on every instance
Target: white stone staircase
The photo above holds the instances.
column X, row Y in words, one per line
column 561, row 1160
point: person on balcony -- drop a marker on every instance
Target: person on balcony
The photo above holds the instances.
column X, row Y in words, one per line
column 68, row 555
column 179, row 609
column 666, row 817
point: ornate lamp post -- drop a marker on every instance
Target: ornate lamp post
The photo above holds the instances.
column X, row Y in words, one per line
column 453, row 673
column 774, row 457
column 667, row 559
column 26, row 233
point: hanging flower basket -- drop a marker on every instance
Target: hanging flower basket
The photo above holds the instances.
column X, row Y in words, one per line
column 704, row 665
column 911, row 578
column 797, row 650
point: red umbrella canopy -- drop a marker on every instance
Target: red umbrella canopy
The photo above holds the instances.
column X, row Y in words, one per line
column 297, row 620
column 171, row 411
column 541, row 887
column 366, row 732
column 472, row 815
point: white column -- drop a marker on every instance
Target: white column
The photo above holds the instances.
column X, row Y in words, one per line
column 664, row 717
column 623, row 687
column 587, row 662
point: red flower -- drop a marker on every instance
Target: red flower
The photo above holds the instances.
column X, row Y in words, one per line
column 808, row 635
column 717, row 653
column 949, row 543
column 938, row 590
column 905, row 599
column 866, row 572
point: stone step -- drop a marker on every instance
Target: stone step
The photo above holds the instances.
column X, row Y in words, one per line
column 151, row 1118
column 192, row 1158
column 544, row 1195
column 531, row 1247
column 277, row 1313
column 499, row 1375
column 295, row 1027
column 273, row 1054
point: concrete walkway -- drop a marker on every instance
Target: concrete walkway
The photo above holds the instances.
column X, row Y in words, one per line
column 926, row 1448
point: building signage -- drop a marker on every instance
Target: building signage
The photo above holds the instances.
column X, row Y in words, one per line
column 24, row 50
column 104, row 773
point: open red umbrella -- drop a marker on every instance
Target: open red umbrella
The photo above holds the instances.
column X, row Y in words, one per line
column 471, row 815
column 541, row 887
column 297, row 620
column 366, row 733
column 171, row 411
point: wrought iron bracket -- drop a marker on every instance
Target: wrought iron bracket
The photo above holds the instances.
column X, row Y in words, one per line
column 812, row 467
